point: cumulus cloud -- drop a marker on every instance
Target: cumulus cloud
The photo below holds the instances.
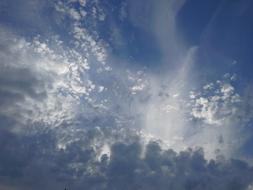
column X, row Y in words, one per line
column 217, row 103
column 220, row 111
column 129, row 166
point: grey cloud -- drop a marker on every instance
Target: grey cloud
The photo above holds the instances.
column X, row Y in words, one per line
column 35, row 162
column 186, row 170
column 17, row 83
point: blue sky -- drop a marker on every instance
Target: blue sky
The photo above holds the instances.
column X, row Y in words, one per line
column 147, row 94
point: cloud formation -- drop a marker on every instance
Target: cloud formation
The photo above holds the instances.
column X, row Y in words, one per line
column 73, row 114
column 129, row 166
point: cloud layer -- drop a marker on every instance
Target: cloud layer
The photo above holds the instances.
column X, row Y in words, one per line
column 128, row 166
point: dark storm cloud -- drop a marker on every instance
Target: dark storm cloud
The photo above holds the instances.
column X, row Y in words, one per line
column 34, row 162
column 169, row 170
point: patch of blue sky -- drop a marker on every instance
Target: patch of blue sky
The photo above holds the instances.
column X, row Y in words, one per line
column 128, row 42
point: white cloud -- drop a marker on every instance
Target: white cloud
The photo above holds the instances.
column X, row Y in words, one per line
column 83, row 39
column 62, row 79
column 219, row 105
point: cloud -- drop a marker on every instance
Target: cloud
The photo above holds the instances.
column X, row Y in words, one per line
column 219, row 108
column 217, row 103
column 77, row 118
column 129, row 166
column 35, row 79
column 45, row 82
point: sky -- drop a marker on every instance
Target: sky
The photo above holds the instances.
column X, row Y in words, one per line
column 126, row 94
